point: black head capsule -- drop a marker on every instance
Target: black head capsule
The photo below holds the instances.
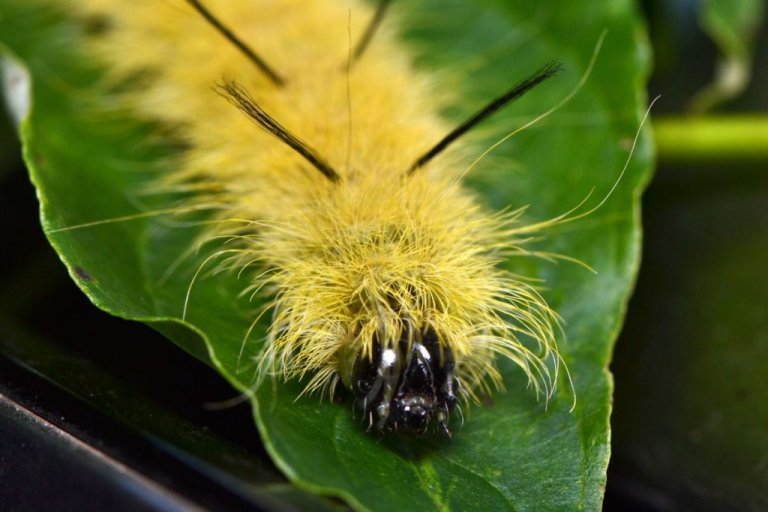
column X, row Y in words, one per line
column 409, row 386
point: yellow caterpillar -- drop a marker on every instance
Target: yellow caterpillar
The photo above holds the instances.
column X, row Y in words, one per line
column 381, row 267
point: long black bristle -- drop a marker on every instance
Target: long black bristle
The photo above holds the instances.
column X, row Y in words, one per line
column 373, row 26
column 237, row 42
column 243, row 101
column 516, row 92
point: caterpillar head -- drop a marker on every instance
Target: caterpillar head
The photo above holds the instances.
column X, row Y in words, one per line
column 407, row 386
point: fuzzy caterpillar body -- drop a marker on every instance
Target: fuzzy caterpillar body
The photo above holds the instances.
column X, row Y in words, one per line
column 353, row 269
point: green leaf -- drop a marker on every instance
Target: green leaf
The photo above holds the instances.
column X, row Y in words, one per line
column 732, row 25
column 514, row 453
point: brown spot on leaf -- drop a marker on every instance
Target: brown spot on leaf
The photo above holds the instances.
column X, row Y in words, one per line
column 83, row 275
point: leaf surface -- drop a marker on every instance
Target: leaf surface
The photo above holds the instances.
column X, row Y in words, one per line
column 513, row 452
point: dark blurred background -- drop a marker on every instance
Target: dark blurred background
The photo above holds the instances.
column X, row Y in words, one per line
column 690, row 423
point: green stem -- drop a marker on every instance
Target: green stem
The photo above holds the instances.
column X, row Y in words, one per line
column 711, row 139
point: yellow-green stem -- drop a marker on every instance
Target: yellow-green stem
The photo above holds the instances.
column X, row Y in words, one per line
column 711, row 139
